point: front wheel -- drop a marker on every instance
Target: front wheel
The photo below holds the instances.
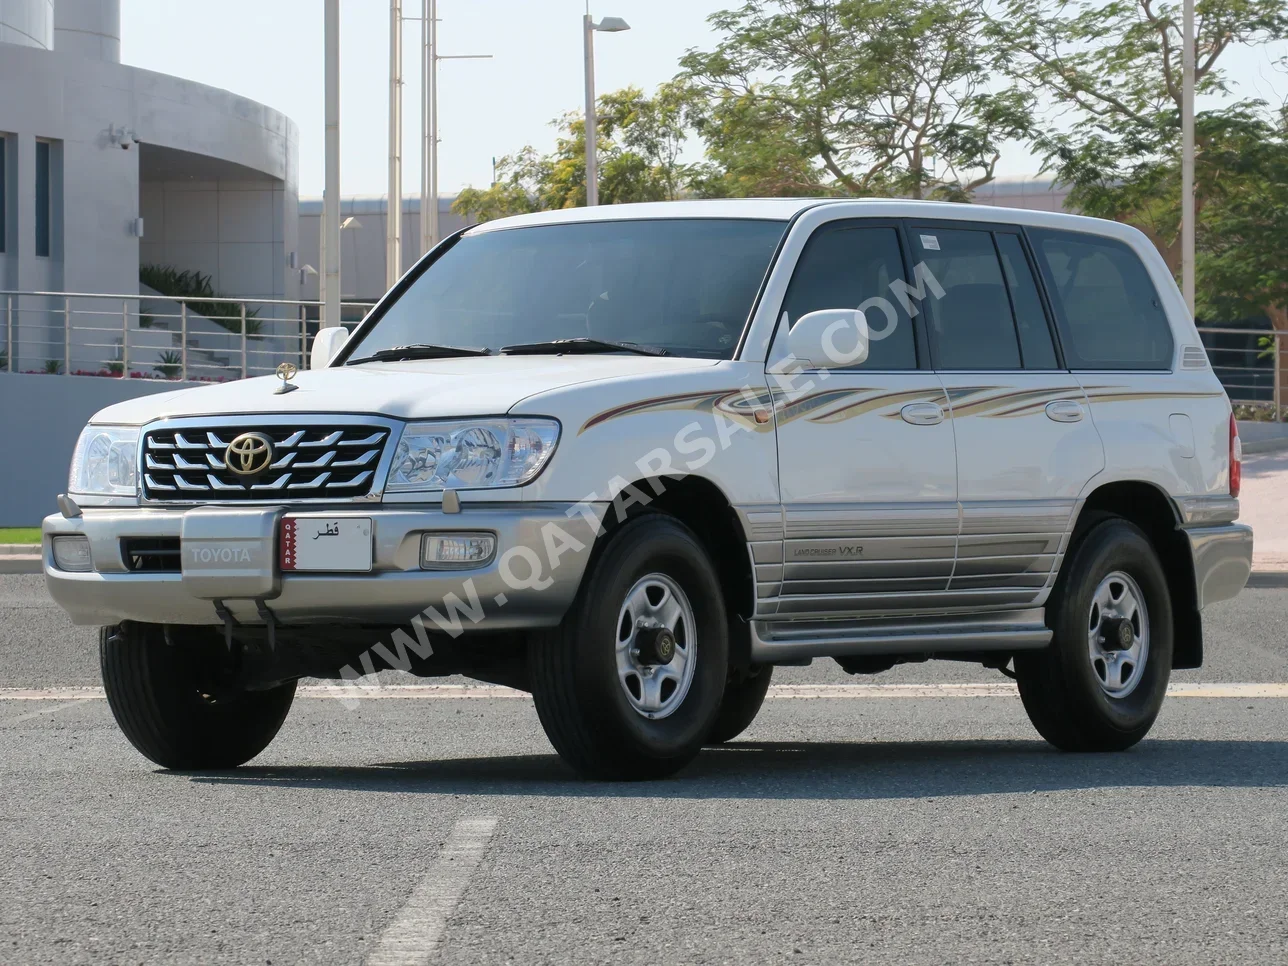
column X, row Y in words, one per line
column 169, row 701
column 627, row 687
column 1101, row 682
column 743, row 695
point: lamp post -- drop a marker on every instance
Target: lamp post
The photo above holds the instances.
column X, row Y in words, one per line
column 429, row 231
column 330, row 237
column 609, row 25
column 1187, row 158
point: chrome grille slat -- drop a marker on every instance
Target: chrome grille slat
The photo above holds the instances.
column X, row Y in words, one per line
column 313, row 458
column 362, row 460
column 320, row 443
column 356, row 481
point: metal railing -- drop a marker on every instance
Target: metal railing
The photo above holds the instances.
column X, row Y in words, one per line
column 1248, row 363
column 178, row 338
column 211, row 339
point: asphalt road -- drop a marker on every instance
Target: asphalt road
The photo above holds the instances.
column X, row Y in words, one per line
column 839, row 829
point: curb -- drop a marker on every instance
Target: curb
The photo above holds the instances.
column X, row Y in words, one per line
column 1265, row 446
column 29, row 563
column 19, row 549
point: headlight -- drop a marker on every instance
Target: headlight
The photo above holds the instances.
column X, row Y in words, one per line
column 105, row 462
column 472, row 454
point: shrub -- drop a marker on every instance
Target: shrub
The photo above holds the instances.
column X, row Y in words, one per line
column 192, row 287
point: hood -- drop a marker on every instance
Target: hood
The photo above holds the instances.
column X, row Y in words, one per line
column 430, row 389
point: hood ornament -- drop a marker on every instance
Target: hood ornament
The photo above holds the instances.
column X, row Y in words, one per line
column 286, row 372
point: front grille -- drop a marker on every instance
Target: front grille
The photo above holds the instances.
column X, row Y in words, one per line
column 154, row 555
column 332, row 462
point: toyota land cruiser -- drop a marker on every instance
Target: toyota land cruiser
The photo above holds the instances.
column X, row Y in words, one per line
column 631, row 458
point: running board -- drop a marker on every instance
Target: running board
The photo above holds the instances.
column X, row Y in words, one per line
column 773, row 641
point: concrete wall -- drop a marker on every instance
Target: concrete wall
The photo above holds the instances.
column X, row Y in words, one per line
column 40, row 450
column 233, row 231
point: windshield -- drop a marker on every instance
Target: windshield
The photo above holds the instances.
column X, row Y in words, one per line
column 684, row 285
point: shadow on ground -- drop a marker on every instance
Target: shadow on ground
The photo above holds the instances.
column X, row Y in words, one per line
column 779, row 770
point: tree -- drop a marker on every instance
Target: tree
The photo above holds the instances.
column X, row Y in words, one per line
column 1112, row 71
column 1242, row 266
column 855, row 97
column 640, row 143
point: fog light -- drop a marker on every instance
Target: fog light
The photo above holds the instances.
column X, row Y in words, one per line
column 456, row 551
column 71, row 553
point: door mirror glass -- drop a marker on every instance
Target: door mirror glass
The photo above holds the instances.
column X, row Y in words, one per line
column 327, row 345
column 830, row 339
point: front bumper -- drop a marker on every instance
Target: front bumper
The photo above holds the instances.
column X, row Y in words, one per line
column 541, row 554
column 1222, row 561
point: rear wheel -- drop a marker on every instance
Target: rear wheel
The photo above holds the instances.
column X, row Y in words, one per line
column 1100, row 684
column 628, row 685
column 172, row 706
column 743, row 695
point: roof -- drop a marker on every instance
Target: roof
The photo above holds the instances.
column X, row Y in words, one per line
column 784, row 209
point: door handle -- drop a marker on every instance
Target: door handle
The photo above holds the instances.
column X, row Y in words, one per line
column 922, row 414
column 1064, row 411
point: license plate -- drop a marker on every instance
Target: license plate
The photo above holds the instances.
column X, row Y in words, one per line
column 321, row 543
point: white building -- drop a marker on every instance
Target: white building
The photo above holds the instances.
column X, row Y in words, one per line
column 104, row 167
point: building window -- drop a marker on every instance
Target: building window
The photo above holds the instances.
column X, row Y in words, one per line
column 44, row 212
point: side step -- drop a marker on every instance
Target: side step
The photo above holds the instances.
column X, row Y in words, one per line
column 773, row 641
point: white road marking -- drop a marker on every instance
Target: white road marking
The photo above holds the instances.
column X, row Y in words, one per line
column 42, row 711
column 471, row 692
column 414, row 935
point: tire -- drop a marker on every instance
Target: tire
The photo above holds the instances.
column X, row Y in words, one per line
column 583, row 695
column 161, row 696
column 744, row 693
column 1081, row 703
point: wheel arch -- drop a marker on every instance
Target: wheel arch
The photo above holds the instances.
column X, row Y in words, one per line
column 1149, row 507
column 702, row 506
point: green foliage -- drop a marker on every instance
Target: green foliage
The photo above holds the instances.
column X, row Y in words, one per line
column 193, row 287
column 1111, row 75
column 1243, row 231
column 171, row 364
column 856, row 97
column 53, row 367
column 640, row 140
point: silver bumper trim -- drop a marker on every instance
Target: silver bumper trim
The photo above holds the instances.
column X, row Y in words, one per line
column 1222, row 560
column 506, row 591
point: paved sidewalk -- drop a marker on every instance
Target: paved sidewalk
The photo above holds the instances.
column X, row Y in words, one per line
column 1264, row 506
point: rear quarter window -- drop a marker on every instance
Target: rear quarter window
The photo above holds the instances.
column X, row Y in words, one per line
column 1109, row 313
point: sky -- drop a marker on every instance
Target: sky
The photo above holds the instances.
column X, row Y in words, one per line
column 271, row 51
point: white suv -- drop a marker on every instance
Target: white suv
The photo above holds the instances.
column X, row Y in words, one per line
column 631, row 458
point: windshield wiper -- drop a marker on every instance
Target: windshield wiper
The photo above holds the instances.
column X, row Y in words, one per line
column 580, row 347
column 422, row 350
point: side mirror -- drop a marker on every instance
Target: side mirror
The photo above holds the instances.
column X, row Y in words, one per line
column 830, row 339
column 327, row 345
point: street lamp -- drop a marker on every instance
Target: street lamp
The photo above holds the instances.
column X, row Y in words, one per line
column 609, row 25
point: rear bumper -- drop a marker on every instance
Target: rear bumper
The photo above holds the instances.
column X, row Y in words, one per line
column 1222, row 561
column 521, row 587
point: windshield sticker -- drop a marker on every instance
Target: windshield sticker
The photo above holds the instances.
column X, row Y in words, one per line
column 930, row 243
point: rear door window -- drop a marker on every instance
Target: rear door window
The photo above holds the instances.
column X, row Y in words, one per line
column 972, row 326
column 1036, row 344
column 1109, row 312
